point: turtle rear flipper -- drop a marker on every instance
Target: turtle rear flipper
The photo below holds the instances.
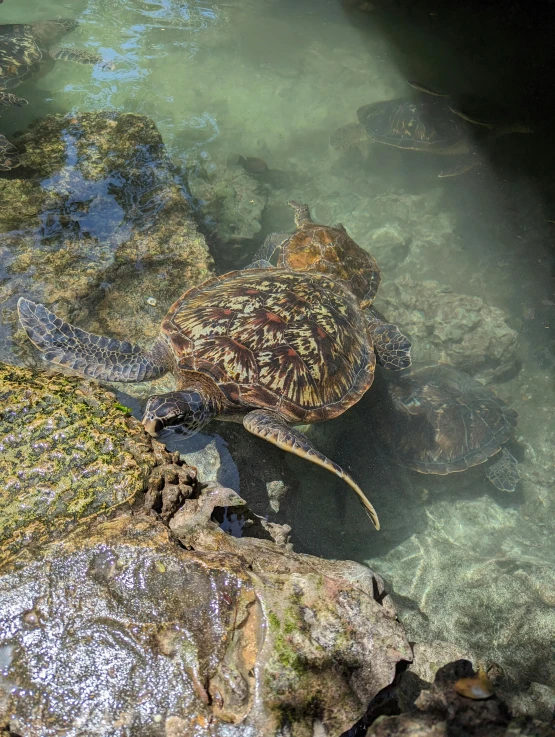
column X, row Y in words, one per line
column 271, row 427
column 392, row 348
column 348, row 136
column 86, row 353
column 504, row 474
column 6, row 98
column 63, row 53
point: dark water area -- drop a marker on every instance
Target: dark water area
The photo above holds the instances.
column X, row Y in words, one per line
column 246, row 95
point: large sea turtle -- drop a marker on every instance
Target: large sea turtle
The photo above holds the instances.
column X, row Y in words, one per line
column 439, row 420
column 432, row 124
column 330, row 250
column 25, row 51
column 270, row 348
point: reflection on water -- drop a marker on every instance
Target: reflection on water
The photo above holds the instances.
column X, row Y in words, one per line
column 246, row 95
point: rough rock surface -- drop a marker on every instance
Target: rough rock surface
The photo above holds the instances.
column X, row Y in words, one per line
column 455, row 328
column 67, row 451
column 96, row 224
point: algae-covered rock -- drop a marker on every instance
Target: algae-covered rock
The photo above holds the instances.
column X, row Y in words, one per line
column 96, row 223
column 119, row 627
column 67, row 451
column 450, row 327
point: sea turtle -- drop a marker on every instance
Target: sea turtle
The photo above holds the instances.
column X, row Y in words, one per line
column 439, row 420
column 25, row 50
column 432, row 125
column 330, row 250
column 268, row 348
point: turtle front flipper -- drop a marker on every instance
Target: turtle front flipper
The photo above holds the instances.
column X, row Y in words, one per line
column 392, row 348
column 9, row 155
column 462, row 166
column 504, row 474
column 89, row 354
column 6, row 98
column 63, row 53
column 348, row 136
column 269, row 426
column 263, row 257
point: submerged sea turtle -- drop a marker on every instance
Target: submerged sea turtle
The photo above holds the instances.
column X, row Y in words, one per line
column 25, row 50
column 330, row 250
column 432, row 125
column 268, row 348
column 441, row 420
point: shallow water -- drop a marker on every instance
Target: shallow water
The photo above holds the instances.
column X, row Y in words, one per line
column 273, row 79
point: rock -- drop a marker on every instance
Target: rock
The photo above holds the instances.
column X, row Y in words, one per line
column 67, row 451
column 455, row 328
column 96, row 224
column 442, row 711
column 231, row 202
column 238, row 634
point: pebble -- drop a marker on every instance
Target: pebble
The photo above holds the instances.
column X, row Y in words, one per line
column 151, row 301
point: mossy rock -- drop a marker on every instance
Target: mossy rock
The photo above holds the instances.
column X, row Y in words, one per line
column 68, row 451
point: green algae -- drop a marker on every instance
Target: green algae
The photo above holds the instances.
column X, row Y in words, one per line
column 67, row 452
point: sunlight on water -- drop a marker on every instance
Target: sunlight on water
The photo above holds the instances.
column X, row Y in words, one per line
column 465, row 265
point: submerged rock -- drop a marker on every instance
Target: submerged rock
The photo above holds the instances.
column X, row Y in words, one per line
column 441, row 710
column 453, row 328
column 97, row 224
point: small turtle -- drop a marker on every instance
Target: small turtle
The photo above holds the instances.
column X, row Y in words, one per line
column 441, row 420
column 25, row 50
column 432, row 125
column 330, row 250
column 268, row 348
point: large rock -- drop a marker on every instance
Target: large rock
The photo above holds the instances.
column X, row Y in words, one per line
column 96, row 223
column 111, row 620
column 455, row 328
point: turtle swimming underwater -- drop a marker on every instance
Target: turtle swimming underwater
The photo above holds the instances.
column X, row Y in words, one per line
column 330, row 250
column 266, row 347
column 432, row 125
column 25, row 50
column 440, row 420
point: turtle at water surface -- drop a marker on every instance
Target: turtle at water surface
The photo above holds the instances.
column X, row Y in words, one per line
column 431, row 125
column 268, row 348
column 330, row 250
column 441, row 420
column 25, row 51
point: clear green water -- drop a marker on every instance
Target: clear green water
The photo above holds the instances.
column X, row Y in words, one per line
column 273, row 79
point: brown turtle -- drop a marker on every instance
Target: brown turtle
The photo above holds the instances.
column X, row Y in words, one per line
column 439, row 420
column 25, row 51
column 432, row 125
column 268, row 348
column 330, row 250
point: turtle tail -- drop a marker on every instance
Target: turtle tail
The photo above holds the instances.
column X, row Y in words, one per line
column 89, row 354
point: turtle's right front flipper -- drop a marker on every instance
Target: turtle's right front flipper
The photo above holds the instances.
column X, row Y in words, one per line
column 9, row 155
column 271, row 427
column 63, row 53
column 6, row 99
column 86, row 353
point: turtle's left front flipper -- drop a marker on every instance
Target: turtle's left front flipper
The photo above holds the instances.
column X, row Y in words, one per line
column 61, row 53
column 269, row 426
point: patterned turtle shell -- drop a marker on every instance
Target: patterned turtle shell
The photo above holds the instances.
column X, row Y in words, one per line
column 426, row 125
column 327, row 249
column 23, row 46
column 445, row 421
column 294, row 342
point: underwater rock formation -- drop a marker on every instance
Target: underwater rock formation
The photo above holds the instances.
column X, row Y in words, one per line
column 231, row 202
column 442, row 710
column 96, row 224
column 116, row 622
column 454, row 328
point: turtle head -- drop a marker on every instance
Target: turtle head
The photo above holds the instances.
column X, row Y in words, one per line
column 186, row 411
